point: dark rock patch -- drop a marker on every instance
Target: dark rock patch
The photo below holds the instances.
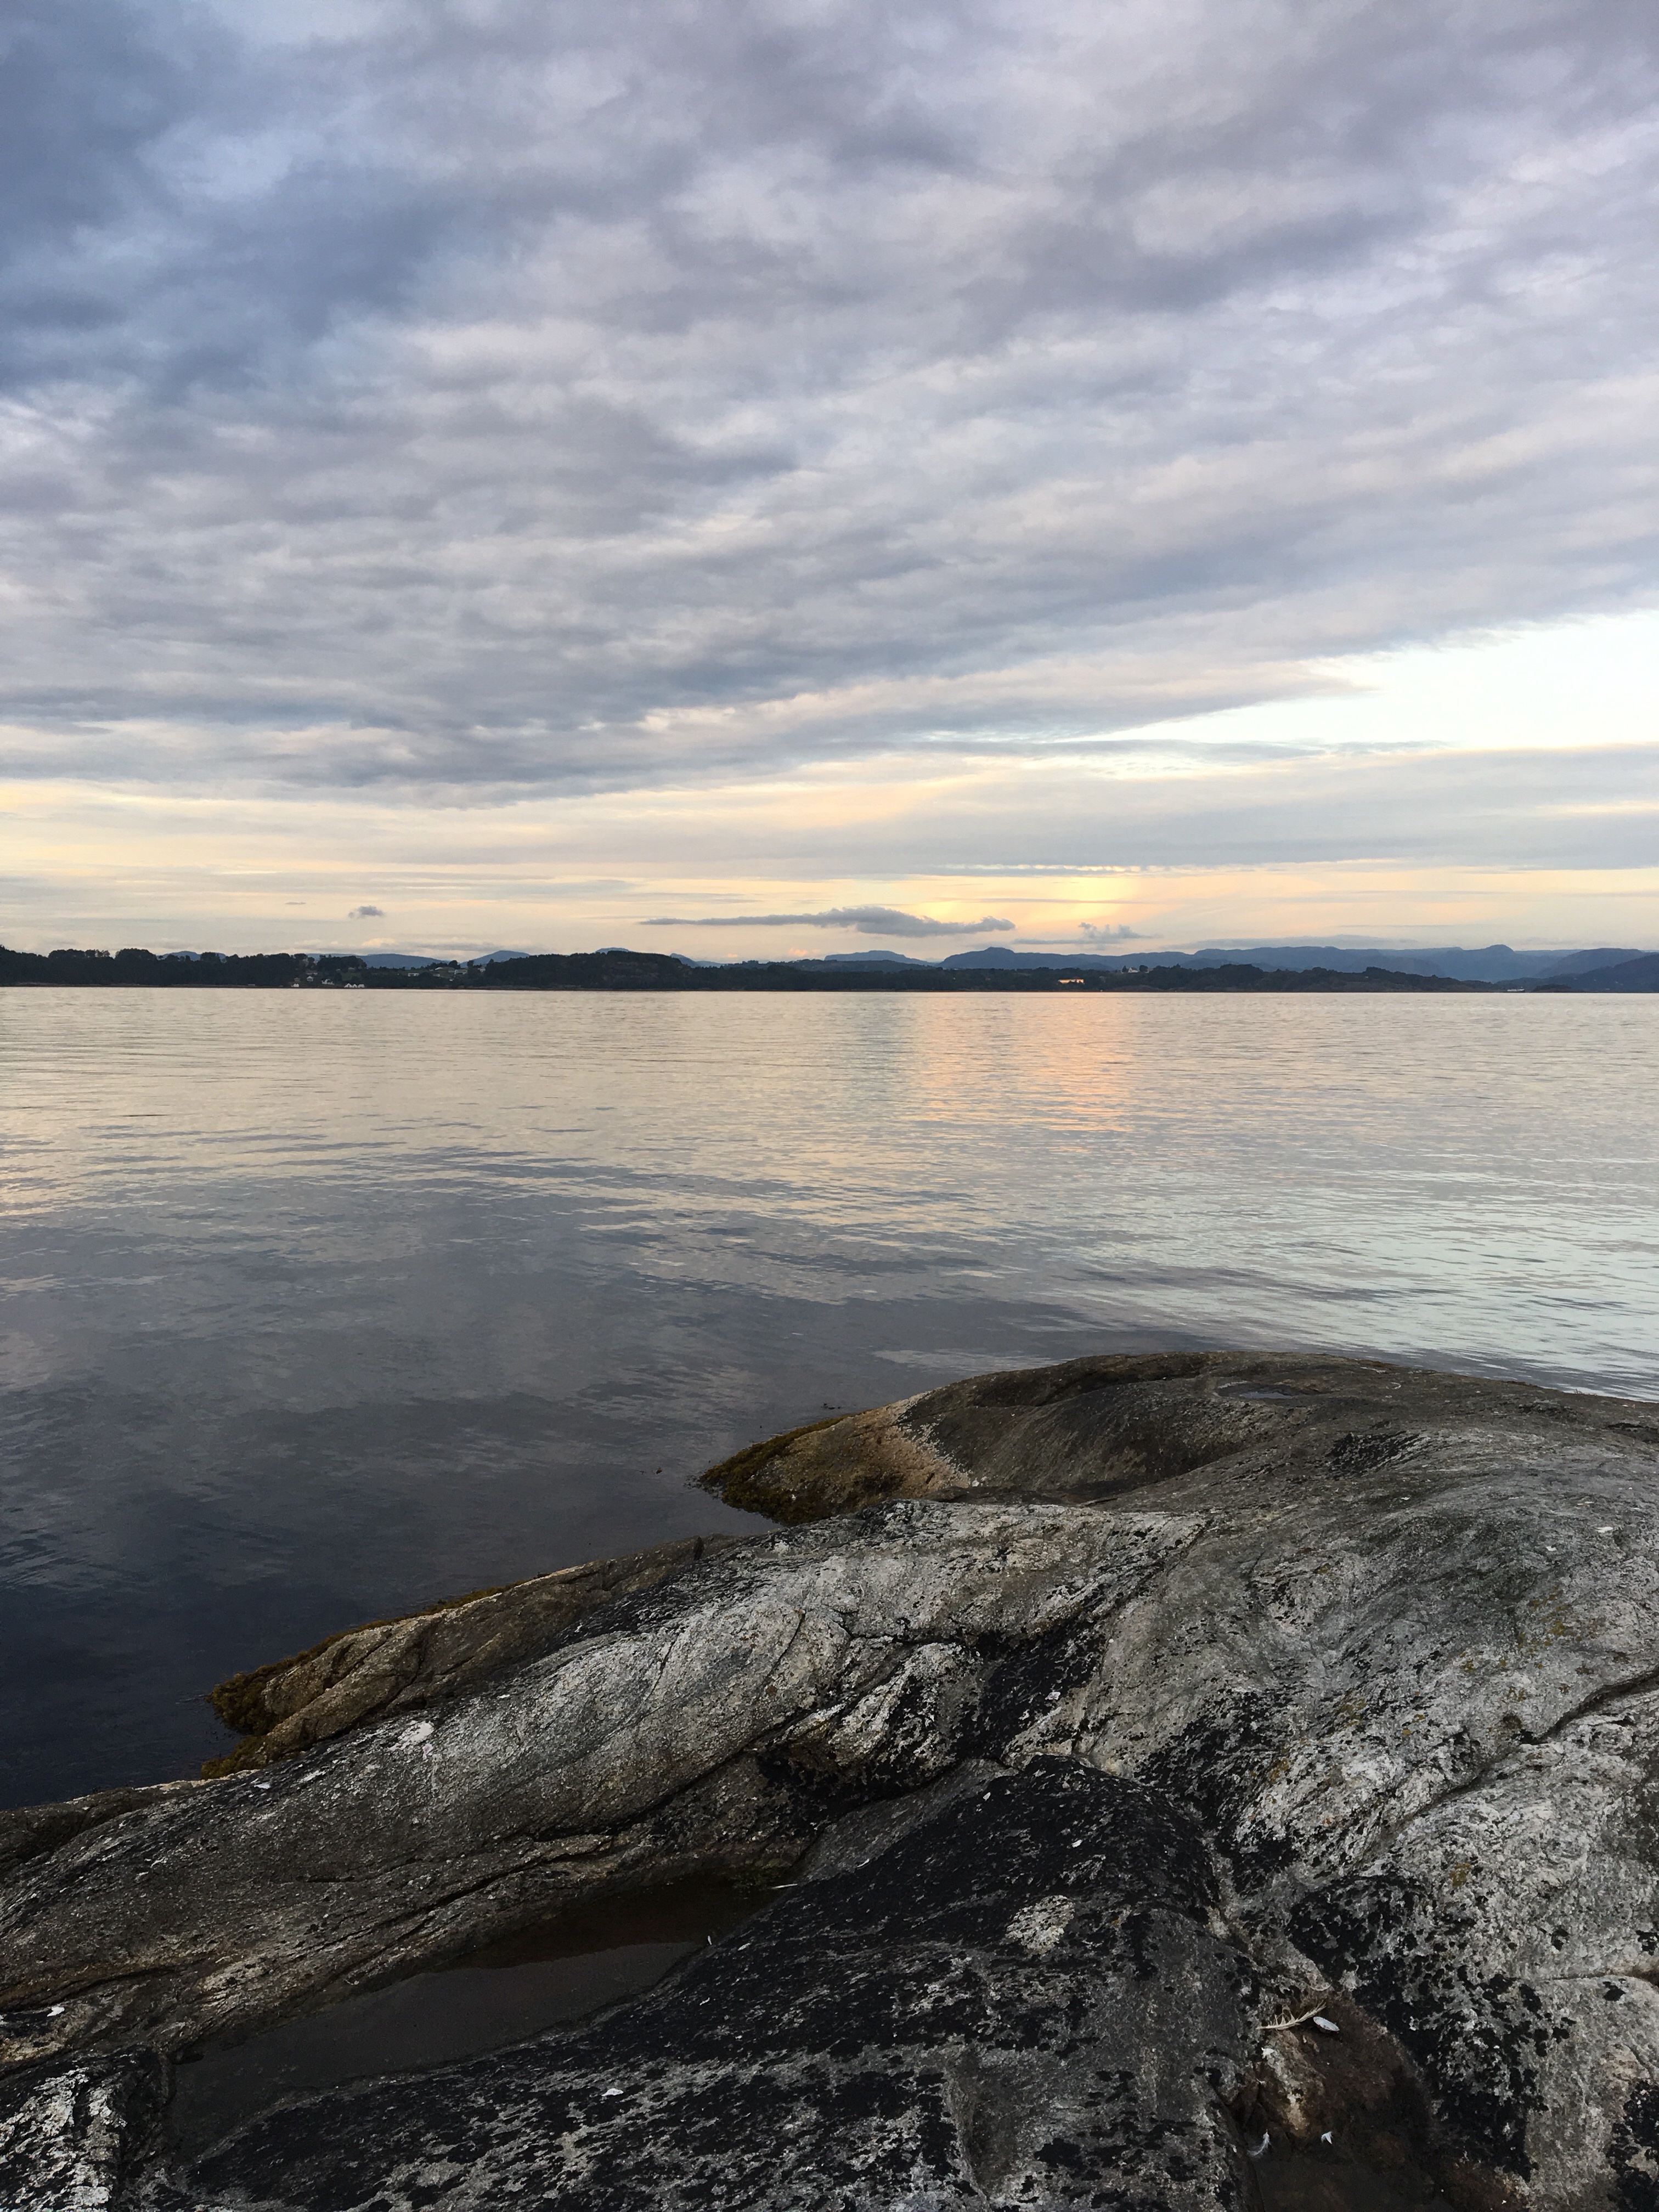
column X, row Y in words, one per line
column 978, row 2013
column 1635, row 2149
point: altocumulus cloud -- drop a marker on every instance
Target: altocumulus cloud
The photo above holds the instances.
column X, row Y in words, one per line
column 486, row 396
column 867, row 920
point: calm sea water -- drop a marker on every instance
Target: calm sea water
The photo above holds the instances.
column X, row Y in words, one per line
column 319, row 1305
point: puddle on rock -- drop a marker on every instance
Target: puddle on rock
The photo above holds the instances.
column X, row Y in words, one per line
column 1316, row 2179
column 561, row 1970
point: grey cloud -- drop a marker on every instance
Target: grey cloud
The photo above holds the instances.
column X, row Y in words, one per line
column 364, row 912
column 592, row 396
column 1589, row 808
column 867, row 920
column 1594, row 808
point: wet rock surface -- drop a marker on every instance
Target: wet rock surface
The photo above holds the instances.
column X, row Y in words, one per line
column 1338, row 1682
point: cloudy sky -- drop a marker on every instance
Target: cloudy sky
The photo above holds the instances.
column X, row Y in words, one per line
column 476, row 474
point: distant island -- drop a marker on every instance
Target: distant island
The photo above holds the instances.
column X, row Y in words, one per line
column 617, row 969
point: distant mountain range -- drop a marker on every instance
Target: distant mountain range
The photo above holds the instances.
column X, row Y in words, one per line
column 1593, row 970
column 433, row 960
column 994, row 968
column 1491, row 964
column 1641, row 974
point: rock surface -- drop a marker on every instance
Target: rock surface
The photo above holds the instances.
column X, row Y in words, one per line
column 1091, row 1430
column 716, row 1721
column 421, row 1658
column 984, row 2008
column 1341, row 1682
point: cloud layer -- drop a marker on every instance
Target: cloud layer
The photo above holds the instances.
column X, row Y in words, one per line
column 436, row 398
column 864, row 920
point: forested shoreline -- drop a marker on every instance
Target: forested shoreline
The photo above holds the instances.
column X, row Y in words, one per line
column 620, row 970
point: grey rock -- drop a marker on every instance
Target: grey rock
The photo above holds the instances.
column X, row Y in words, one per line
column 714, row 1722
column 421, row 1658
column 72, row 2138
column 1358, row 1666
column 1090, row 1429
column 980, row 2014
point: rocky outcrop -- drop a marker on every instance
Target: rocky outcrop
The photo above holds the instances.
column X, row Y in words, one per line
column 1139, row 1709
column 983, row 2009
column 714, row 1723
column 1091, row 1430
column 421, row 1658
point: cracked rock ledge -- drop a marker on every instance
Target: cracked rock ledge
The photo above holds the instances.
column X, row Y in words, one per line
column 1210, row 1780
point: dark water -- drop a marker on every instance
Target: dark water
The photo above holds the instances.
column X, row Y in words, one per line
column 319, row 1305
column 588, row 1958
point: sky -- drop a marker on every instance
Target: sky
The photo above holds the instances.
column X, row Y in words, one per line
column 761, row 479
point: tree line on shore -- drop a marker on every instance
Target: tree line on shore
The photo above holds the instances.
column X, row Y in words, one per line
column 623, row 970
